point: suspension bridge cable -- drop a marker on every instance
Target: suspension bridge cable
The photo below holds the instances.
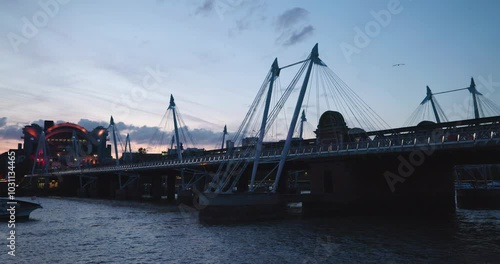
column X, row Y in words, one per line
column 413, row 116
column 441, row 112
column 495, row 109
column 223, row 179
column 288, row 91
column 358, row 101
column 225, row 169
column 258, row 98
column 344, row 95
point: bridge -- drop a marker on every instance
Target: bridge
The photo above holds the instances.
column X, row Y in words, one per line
column 349, row 169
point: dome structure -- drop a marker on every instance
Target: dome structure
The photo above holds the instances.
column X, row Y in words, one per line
column 331, row 119
column 356, row 131
column 332, row 128
column 357, row 134
column 425, row 123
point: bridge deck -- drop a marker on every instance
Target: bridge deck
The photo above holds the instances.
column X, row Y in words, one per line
column 451, row 135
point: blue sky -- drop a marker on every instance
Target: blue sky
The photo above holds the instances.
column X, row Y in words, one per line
column 91, row 59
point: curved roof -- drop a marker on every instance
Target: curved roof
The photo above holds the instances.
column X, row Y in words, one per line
column 426, row 123
column 66, row 126
column 356, row 131
column 331, row 118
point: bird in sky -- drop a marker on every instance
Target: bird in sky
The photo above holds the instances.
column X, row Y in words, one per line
column 399, row 64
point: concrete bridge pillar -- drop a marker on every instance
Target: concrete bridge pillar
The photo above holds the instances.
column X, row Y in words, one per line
column 156, row 186
column 171, row 178
column 69, row 185
column 406, row 183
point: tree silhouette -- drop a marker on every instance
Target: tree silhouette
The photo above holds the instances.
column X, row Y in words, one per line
column 142, row 151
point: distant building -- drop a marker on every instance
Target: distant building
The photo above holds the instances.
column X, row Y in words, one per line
column 17, row 158
column 66, row 145
column 249, row 141
column 332, row 129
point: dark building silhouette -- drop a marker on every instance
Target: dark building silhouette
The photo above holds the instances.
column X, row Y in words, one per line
column 332, row 128
column 65, row 145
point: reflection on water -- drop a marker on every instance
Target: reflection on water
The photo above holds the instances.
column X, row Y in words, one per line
column 103, row 231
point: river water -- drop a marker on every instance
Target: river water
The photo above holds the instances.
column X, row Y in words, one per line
column 73, row 230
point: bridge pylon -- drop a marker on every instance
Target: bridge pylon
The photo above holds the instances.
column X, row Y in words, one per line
column 313, row 58
column 176, row 128
column 472, row 89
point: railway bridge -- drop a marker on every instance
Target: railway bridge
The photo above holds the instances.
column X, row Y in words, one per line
column 353, row 161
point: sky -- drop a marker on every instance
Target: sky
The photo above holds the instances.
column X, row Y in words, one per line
column 83, row 61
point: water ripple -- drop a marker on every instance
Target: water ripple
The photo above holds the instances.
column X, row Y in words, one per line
column 101, row 231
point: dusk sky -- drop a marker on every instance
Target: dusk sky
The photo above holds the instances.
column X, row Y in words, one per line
column 83, row 61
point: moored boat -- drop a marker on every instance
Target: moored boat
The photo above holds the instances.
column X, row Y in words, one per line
column 240, row 207
column 15, row 207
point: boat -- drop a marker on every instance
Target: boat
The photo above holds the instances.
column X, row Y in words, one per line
column 22, row 209
column 483, row 197
column 223, row 208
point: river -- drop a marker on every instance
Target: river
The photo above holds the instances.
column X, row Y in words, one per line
column 75, row 230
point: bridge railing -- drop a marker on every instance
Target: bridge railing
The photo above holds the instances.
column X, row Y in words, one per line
column 449, row 137
column 402, row 142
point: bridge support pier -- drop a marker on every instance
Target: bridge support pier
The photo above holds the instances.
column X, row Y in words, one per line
column 171, row 187
column 126, row 186
column 399, row 184
column 156, row 187
column 69, row 185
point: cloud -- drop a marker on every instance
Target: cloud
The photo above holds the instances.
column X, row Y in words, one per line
column 206, row 137
column 40, row 122
column 152, row 137
column 240, row 15
column 241, row 25
column 292, row 26
column 14, row 131
column 206, row 7
column 90, row 125
column 298, row 36
column 291, row 17
column 11, row 132
column 157, row 139
column 144, row 134
column 249, row 14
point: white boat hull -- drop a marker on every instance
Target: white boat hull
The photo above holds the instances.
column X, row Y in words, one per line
column 23, row 209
